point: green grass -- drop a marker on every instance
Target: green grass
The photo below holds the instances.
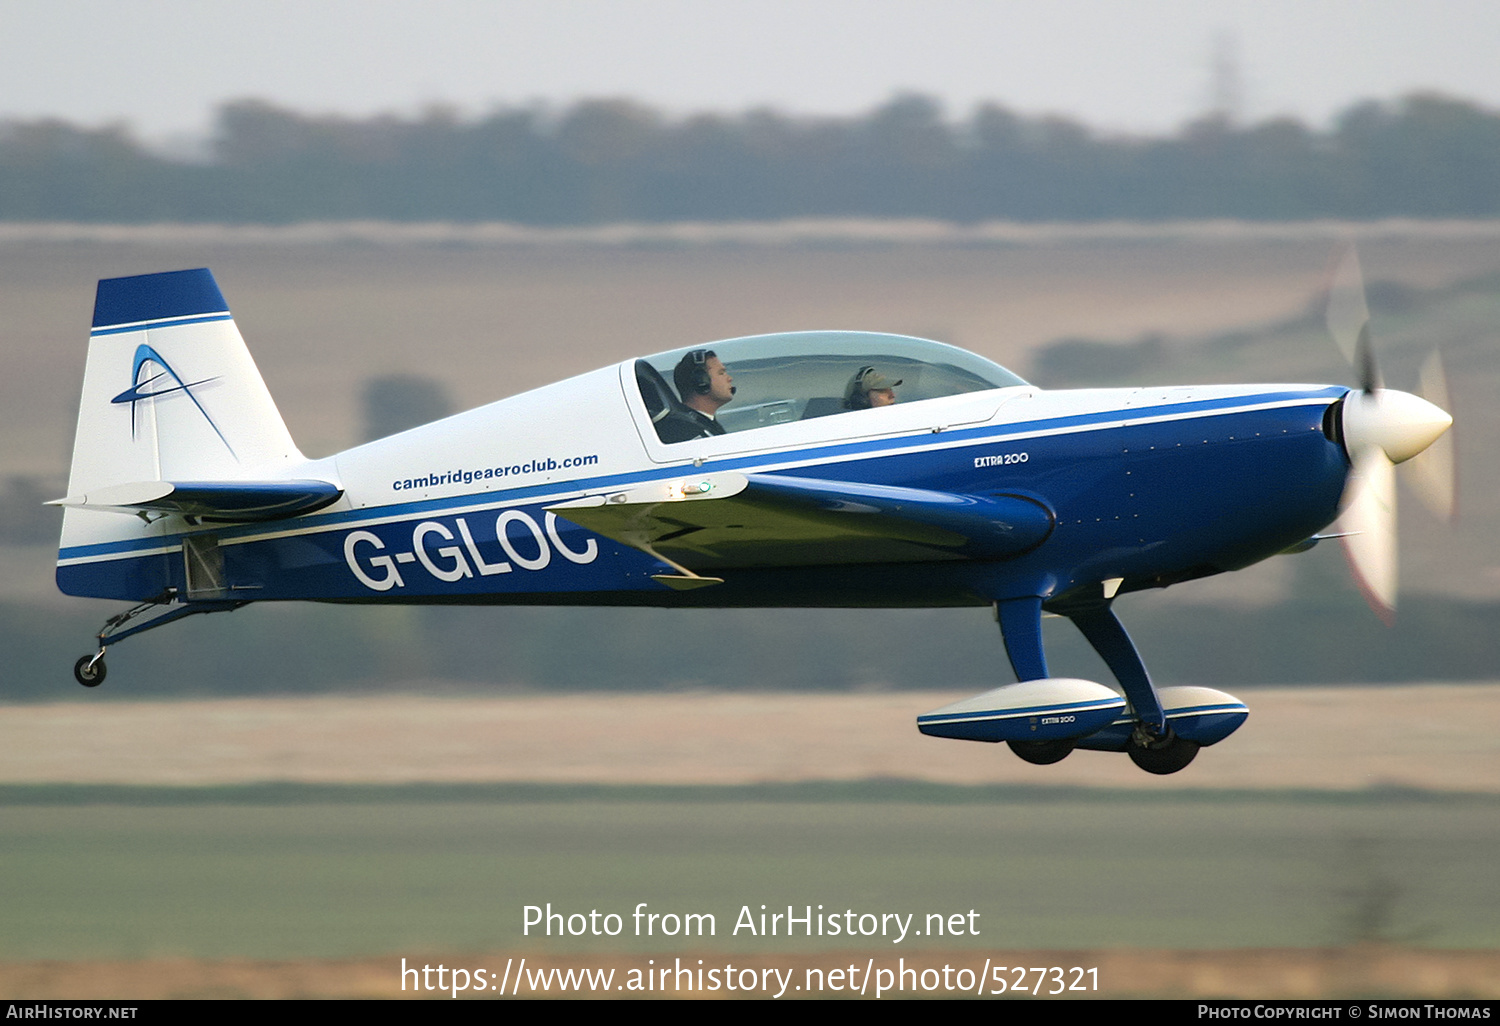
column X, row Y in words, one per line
column 285, row 872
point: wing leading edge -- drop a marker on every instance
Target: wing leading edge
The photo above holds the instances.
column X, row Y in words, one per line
column 729, row 520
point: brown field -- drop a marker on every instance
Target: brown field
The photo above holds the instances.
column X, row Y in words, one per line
column 1432, row 737
column 1245, row 974
column 493, row 314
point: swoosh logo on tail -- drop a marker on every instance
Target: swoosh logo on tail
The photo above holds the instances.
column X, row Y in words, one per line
column 144, row 354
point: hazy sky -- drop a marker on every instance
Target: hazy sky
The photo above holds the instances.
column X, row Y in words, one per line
column 1133, row 65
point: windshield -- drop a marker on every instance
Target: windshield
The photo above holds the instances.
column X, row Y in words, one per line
column 777, row 379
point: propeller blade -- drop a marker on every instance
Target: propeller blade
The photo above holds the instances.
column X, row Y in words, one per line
column 1435, row 471
column 1348, row 315
column 1368, row 518
column 1364, row 361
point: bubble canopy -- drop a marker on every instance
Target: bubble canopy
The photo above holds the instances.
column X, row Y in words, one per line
column 802, row 375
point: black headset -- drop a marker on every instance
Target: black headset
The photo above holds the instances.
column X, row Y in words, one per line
column 702, row 383
column 856, row 398
column 691, row 374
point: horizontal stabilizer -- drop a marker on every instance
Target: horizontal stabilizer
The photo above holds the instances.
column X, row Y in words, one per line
column 215, row 501
column 736, row 520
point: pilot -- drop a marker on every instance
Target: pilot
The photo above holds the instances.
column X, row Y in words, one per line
column 705, row 385
column 869, row 388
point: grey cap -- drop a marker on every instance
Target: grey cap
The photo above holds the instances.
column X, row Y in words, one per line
column 871, row 380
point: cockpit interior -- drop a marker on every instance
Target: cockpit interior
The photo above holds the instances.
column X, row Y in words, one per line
column 796, row 376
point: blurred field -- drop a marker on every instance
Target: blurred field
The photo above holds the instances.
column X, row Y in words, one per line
column 321, row 311
column 264, row 875
column 421, row 826
column 1434, row 738
column 1381, row 972
column 367, row 877
column 144, row 858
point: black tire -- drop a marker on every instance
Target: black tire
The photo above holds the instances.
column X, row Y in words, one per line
column 1042, row 753
column 1166, row 756
column 89, row 677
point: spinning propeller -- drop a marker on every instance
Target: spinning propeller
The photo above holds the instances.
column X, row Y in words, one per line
column 1382, row 427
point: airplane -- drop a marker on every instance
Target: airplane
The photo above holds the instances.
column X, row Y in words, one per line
column 766, row 471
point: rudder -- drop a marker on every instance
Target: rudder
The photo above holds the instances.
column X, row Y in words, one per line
column 170, row 391
column 170, row 394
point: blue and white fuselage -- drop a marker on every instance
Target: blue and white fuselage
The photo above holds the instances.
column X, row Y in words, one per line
column 1149, row 485
column 975, row 488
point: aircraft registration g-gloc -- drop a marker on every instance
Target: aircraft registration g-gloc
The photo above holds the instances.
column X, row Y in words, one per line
column 766, row 471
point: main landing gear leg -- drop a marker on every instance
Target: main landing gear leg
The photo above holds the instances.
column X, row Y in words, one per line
column 1153, row 746
column 1021, row 628
column 90, row 670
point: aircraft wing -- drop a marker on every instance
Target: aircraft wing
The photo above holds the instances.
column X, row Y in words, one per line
column 222, row 501
column 730, row 520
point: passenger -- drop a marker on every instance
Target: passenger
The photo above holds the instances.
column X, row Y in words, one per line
column 869, row 388
column 705, row 386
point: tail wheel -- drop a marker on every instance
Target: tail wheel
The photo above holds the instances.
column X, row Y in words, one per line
column 89, row 670
column 1167, row 755
column 1042, row 753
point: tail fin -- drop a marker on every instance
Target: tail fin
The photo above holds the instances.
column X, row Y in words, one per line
column 175, row 417
column 170, row 392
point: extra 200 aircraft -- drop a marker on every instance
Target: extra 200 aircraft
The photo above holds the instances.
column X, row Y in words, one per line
column 762, row 471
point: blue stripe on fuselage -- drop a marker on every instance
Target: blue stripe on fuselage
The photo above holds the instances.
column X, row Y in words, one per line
column 836, row 452
column 1132, row 500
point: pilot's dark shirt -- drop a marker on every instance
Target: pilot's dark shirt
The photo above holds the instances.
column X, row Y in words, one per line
column 686, row 423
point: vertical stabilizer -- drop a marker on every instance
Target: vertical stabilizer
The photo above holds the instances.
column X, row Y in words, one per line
column 170, row 392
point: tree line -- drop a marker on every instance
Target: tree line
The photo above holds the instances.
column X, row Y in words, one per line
column 602, row 161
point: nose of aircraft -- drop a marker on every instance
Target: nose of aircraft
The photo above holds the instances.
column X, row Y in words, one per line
column 1399, row 423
